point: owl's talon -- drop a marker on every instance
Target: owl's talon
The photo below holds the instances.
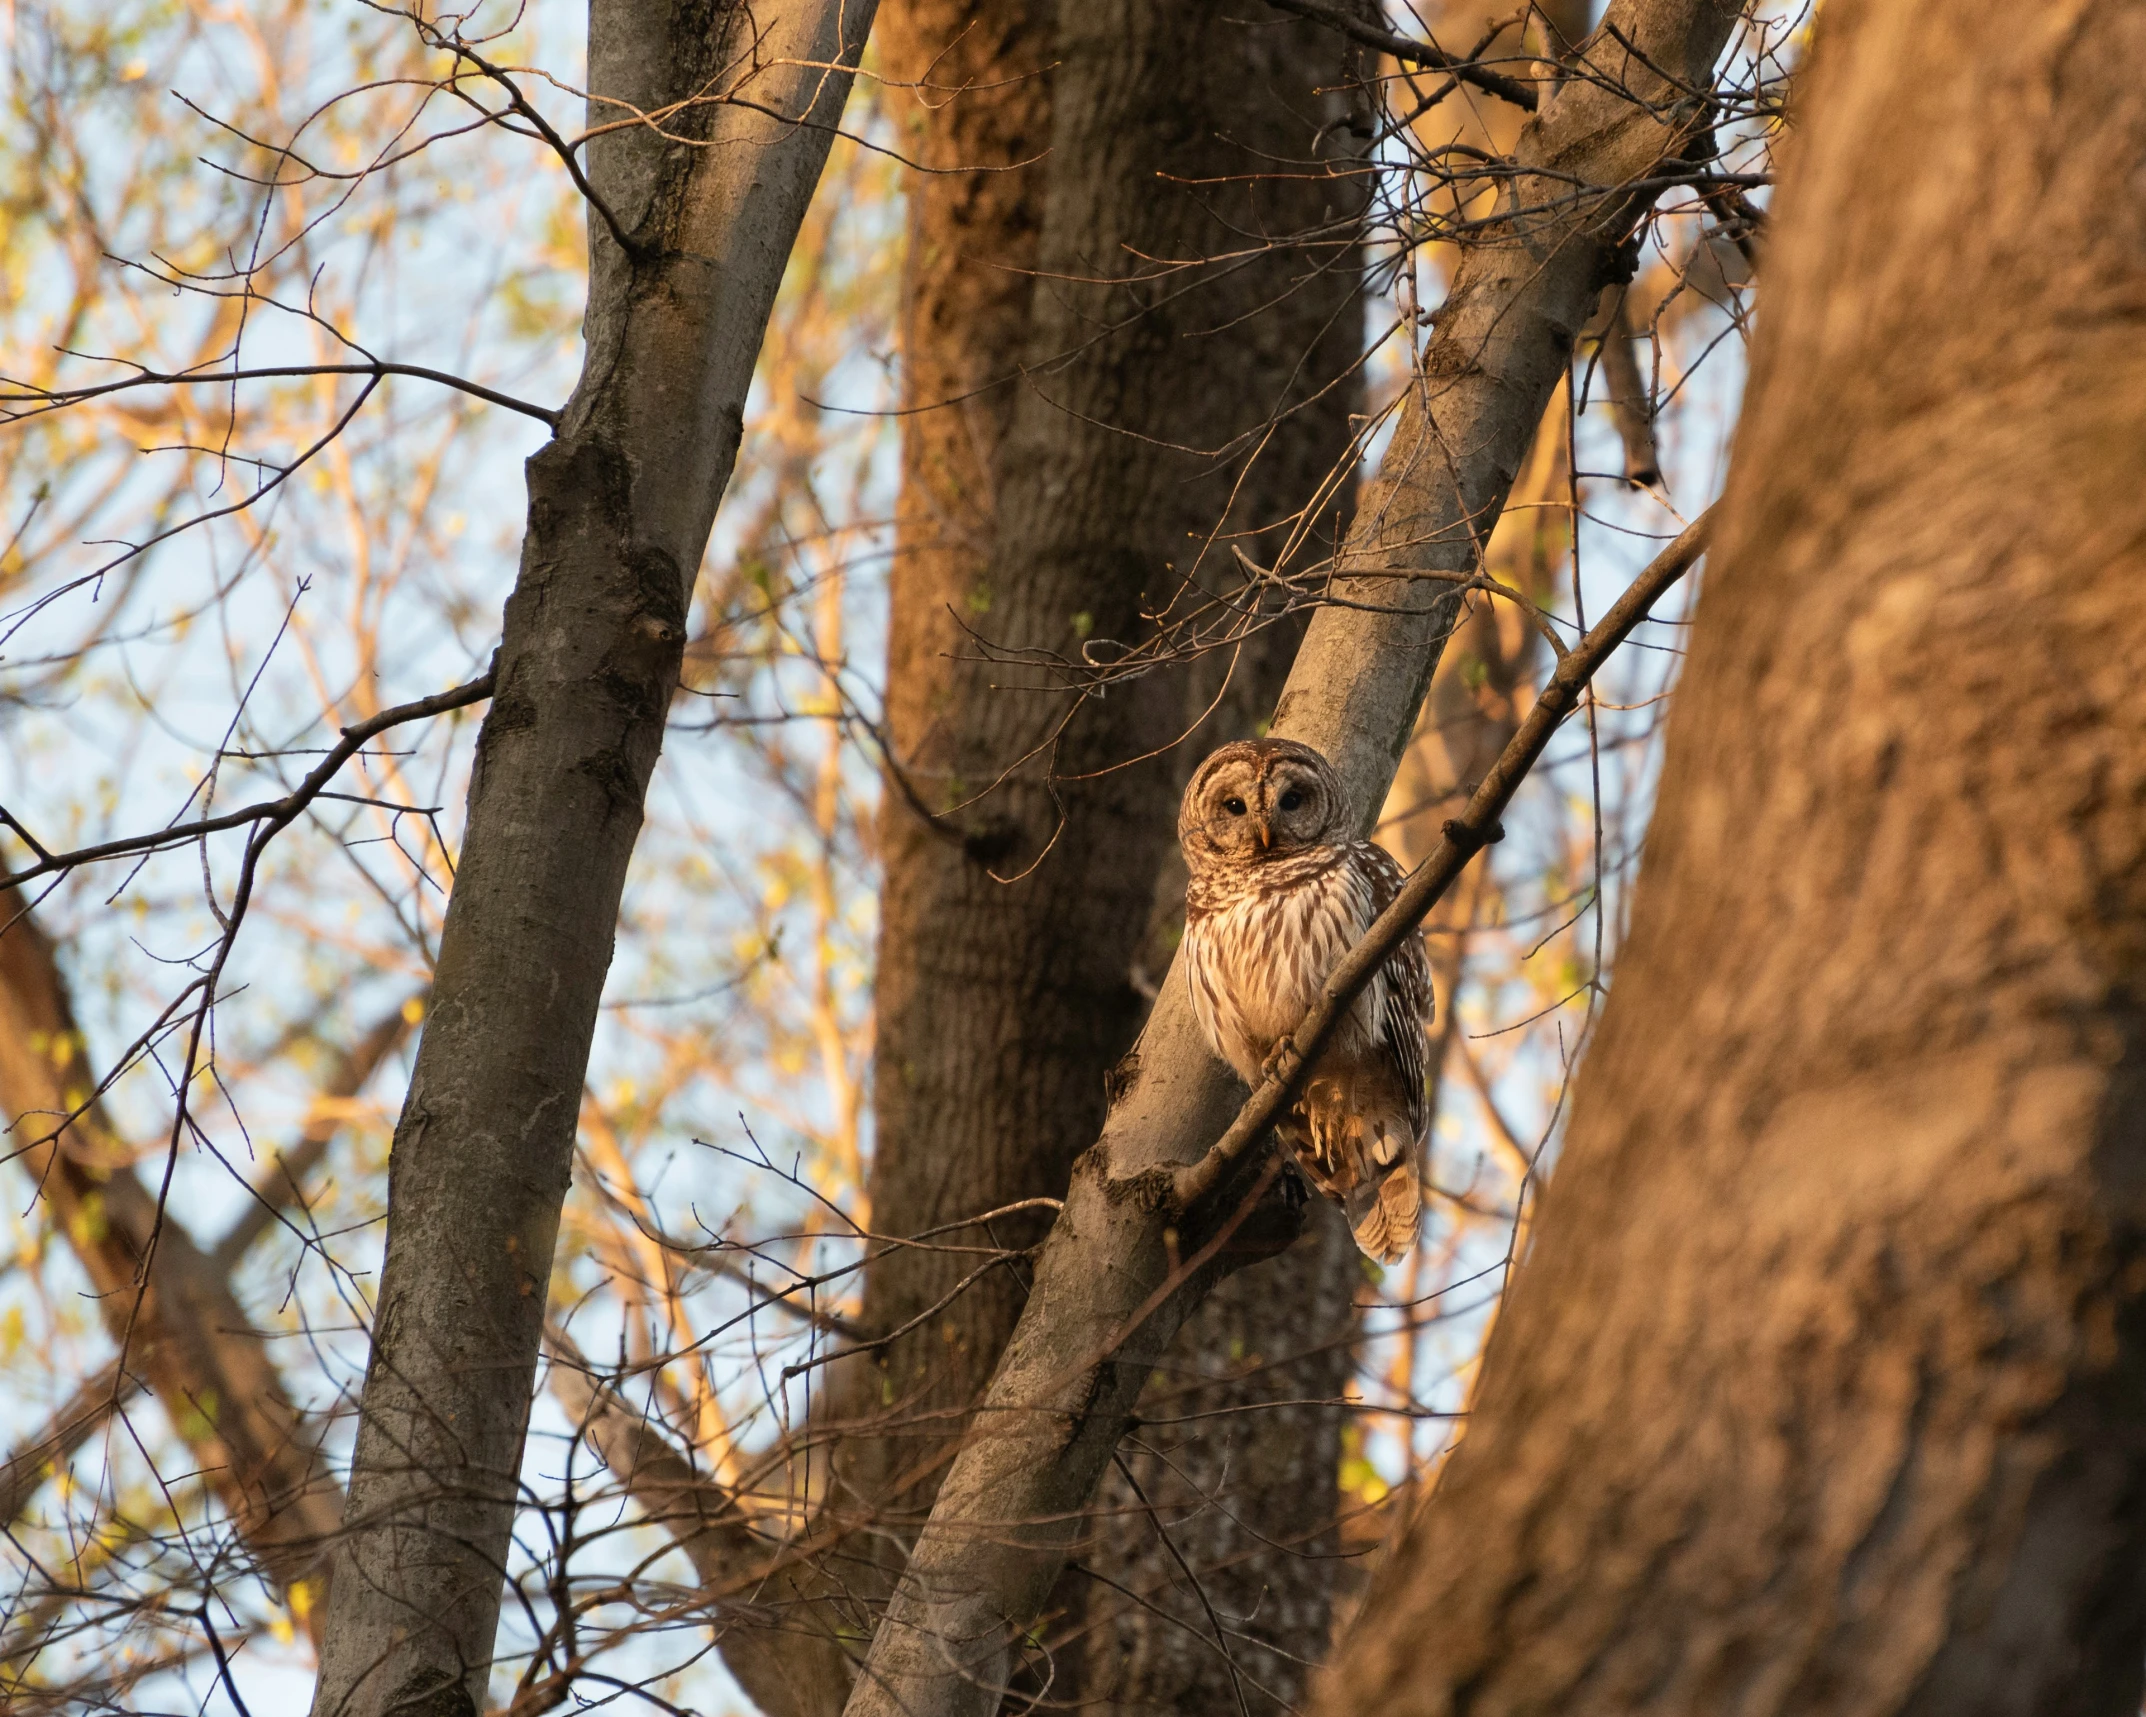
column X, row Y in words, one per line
column 1282, row 1063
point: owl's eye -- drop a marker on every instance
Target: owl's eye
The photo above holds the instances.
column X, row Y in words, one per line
column 1292, row 799
column 1235, row 807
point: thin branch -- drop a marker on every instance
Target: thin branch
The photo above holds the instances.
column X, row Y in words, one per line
column 925, row 1316
column 1409, row 49
column 41, row 400
column 453, row 44
column 281, row 1184
column 29, row 1464
column 270, row 810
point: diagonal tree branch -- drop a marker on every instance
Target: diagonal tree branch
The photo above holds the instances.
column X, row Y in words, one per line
column 187, row 1333
column 31, row 1462
column 1108, row 1294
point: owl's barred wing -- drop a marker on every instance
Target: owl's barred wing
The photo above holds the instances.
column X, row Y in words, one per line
column 1409, row 999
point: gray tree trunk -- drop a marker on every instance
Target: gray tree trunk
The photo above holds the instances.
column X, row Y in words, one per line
column 620, row 505
column 1822, row 1391
column 1089, row 1335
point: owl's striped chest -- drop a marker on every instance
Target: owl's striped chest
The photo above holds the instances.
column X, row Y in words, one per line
column 1260, row 945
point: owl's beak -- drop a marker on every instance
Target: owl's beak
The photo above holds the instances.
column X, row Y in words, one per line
column 1266, row 835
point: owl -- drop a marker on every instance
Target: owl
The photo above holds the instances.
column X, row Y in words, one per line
column 1279, row 891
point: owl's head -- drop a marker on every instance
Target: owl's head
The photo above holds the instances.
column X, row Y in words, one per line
column 1259, row 799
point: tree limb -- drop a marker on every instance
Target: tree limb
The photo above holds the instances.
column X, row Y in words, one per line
column 171, row 1303
column 38, row 401
column 281, row 810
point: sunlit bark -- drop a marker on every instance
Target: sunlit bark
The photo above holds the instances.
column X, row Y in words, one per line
column 1821, row 1392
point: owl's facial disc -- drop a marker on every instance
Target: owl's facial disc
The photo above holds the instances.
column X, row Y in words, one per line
column 1254, row 801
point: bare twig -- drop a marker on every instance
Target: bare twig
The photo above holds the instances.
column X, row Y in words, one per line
column 1415, row 52
column 278, row 811
column 281, row 1185
column 36, row 401
column 31, row 1462
column 450, row 42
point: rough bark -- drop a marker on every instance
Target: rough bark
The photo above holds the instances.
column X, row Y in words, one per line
column 1210, row 1567
column 1007, row 1008
column 1089, row 1335
column 1825, row 1388
column 990, row 1027
column 1102, row 379
column 158, row 1291
column 620, row 504
column 1554, row 29
column 1045, row 506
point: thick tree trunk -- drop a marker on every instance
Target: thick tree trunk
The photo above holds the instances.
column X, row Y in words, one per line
column 620, row 505
column 1108, row 1296
column 1825, row 1389
column 1046, row 506
column 1051, row 482
column 1101, row 380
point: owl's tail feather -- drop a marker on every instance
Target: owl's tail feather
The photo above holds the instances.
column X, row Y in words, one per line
column 1384, row 1214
